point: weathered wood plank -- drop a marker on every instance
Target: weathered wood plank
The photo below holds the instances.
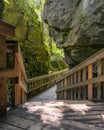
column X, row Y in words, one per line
column 97, row 56
column 62, row 72
column 86, row 82
column 11, row 73
column 6, row 29
column 55, row 115
column 18, row 122
column 4, row 126
column 21, row 65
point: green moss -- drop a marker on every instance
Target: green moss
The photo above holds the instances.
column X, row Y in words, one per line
column 12, row 18
column 1, row 8
column 21, row 32
column 36, row 55
column 28, row 32
column 34, row 36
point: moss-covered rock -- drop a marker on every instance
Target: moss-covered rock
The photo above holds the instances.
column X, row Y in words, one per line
column 21, row 33
column 28, row 32
column 1, row 8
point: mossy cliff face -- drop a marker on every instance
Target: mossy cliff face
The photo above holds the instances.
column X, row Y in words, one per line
column 1, row 8
column 77, row 26
column 28, row 32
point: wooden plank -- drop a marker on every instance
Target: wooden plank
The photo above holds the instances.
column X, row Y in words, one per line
column 12, row 44
column 18, row 96
column 22, row 82
column 23, row 96
column 90, row 72
column 20, row 122
column 21, row 65
column 23, row 85
column 6, row 29
column 86, row 82
column 97, row 56
column 2, row 52
column 90, row 86
column 3, row 85
column 11, row 73
column 4, row 126
column 49, row 75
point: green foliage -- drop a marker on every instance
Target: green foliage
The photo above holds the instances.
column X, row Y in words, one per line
column 23, row 15
column 30, row 32
column 58, row 64
column 1, row 8
column 56, row 55
column 7, row 1
column 36, row 59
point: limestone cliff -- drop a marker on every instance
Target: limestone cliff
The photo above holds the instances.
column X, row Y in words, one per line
column 77, row 26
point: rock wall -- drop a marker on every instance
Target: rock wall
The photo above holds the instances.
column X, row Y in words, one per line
column 29, row 34
column 77, row 26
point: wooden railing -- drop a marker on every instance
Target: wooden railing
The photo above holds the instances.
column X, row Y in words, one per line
column 85, row 81
column 41, row 83
column 21, row 82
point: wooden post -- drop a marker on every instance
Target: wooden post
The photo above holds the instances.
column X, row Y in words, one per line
column 3, row 89
column 64, row 85
column 75, row 78
column 99, row 67
column 2, row 52
column 90, row 74
column 17, row 94
column 99, row 91
column 99, row 84
column 84, row 92
column 84, row 87
column 84, row 74
column 79, row 73
column 74, row 93
column 79, row 93
column 71, row 93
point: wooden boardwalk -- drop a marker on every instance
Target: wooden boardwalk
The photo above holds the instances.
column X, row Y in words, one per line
column 45, row 113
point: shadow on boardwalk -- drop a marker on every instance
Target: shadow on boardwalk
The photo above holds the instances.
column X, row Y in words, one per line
column 55, row 115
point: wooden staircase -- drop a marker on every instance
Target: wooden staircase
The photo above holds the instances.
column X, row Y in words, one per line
column 12, row 70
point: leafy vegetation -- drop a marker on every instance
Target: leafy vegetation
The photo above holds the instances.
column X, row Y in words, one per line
column 33, row 38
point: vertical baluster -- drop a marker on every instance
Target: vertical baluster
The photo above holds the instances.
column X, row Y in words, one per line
column 99, row 74
column 64, row 84
column 90, row 75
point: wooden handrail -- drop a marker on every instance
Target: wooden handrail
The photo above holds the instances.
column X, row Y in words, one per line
column 22, row 73
column 21, row 65
column 7, row 29
column 38, row 84
column 10, row 73
column 97, row 56
column 68, row 84
column 48, row 75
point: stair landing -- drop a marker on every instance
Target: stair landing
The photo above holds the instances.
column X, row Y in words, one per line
column 44, row 112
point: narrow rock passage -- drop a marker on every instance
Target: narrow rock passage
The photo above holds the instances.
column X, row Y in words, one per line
column 44, row 112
